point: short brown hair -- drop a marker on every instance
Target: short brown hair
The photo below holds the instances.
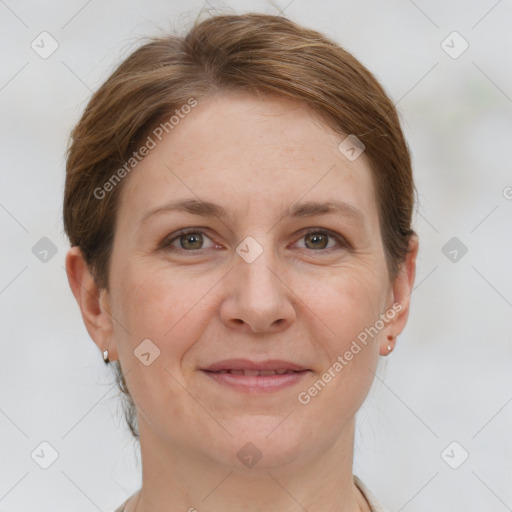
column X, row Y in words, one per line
column 257, row 53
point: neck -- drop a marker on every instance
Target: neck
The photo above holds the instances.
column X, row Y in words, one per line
column 178, row 479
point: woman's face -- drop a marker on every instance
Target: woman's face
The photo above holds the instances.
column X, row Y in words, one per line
column 248, row 288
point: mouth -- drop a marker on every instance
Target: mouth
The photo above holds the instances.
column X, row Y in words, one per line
column 256, row 372
column 255, row 377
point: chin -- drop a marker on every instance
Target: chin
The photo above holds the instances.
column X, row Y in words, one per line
column 264, row 442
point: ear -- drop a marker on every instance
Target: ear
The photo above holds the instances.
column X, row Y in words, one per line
column 94, row 302
column 401, row 296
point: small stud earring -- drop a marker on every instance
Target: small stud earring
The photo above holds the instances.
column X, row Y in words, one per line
column 390, row 348
column 105, row 357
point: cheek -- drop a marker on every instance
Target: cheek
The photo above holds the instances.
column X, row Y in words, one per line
column 350, row 301
column 349, row 304
column 166, row 307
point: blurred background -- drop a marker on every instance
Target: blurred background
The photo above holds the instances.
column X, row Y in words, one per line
column 434, row 433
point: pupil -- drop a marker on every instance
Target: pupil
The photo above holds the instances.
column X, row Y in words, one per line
column 317, row 237
column 187, row 241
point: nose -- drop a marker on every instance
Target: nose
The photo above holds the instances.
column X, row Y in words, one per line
column 257, row 300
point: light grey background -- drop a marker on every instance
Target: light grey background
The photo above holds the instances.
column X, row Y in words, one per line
column 449, row 378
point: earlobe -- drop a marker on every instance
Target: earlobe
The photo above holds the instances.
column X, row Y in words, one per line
column 385, row 350
column 92, row 300
column 401, row 297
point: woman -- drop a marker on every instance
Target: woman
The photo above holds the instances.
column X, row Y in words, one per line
column 238, row 203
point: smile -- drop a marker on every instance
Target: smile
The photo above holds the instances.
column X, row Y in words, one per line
column 256, row 377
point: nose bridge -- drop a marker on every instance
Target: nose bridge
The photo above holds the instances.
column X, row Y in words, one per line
column 255, row 269
column 258, row 280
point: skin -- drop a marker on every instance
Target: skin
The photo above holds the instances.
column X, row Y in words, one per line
column 255, row 157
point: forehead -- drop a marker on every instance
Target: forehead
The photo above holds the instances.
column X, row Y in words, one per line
column 239, row 151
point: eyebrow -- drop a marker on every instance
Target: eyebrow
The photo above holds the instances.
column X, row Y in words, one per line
column 312, row 208
column 193, row 206
column 298, row 210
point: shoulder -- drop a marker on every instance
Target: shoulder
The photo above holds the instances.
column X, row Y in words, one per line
column 121, row 507
column 370, row 498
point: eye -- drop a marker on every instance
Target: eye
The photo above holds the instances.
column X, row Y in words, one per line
column 188, row 240
column 317, row 239
column 194, row 239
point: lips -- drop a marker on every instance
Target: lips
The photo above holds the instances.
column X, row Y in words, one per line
column 247, row 376
column 247, row 367
column 256, row 372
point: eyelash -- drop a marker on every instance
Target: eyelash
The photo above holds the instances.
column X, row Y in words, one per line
column 342, row 242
